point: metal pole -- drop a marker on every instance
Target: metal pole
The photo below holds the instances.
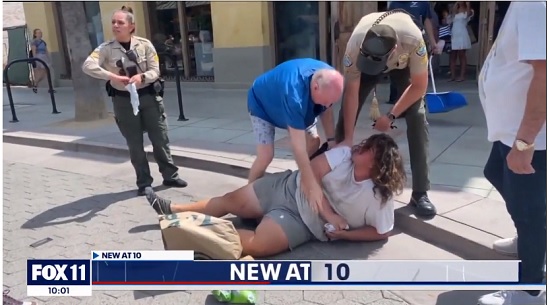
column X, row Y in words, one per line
column 10, row 96
column 178, row 89
column 50, row 85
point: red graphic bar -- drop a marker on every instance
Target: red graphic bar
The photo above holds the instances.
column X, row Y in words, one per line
column 181, row 283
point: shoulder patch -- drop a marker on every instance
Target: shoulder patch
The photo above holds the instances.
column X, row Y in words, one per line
column 421, row 49
column 347, row 61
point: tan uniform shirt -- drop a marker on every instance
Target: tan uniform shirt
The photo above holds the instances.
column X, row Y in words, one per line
column 102, row 62
column 410, row 52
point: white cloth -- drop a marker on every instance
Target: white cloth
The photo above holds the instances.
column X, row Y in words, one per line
column 506, row 75
column 460, row 39
column 354, row 200
column 134, row 97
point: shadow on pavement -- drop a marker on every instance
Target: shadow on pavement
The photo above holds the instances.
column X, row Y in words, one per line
column 459, row 297
column 89, row 205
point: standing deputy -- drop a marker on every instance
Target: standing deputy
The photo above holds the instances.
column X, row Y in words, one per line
column 131, row 59
column 390, row 42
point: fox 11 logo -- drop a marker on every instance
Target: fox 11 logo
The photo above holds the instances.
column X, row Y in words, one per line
column 58, row 272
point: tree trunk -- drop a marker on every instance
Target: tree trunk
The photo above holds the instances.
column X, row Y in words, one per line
column 88, row 93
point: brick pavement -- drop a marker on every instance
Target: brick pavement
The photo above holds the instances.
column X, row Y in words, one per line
column 80, row 213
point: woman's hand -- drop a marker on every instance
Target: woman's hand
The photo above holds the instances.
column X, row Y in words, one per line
column 337, row 235
column 124, row 80
column 136, row 79
column 337, row 221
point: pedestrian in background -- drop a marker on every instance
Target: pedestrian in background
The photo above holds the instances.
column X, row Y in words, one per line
column 421, row 12
column 129, row 59
column 39, row 49
column 512, row 90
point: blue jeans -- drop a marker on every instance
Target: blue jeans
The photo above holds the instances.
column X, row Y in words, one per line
column 525, row 197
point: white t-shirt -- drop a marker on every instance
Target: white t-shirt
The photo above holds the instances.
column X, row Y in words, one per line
column 506, row 75
column 353, row 200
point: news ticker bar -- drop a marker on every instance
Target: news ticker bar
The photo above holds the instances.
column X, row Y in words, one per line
column 176, row 270
column 83, row 291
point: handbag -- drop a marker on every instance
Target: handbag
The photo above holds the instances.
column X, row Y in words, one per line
column 209, row 237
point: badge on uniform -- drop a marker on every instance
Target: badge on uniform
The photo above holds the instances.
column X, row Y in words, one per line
column 421, row 49
column 403, row 58
column 347, row 61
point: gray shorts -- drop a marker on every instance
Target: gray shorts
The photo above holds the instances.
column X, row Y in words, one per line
column 265, row 131
column 276, row 193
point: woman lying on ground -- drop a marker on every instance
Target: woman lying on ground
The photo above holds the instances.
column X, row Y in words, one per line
column 359, row 184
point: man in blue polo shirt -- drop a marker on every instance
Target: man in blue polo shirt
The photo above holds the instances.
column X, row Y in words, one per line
column 291, row 96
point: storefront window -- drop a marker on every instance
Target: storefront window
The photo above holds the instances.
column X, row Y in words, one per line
column 93, row 22
column 296, row 29
column 167, row 36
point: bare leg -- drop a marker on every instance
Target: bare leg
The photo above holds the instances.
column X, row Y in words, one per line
column 242, row 203
column 452, row 64
column 463, row 62
column 268, row 239
column 264, row 156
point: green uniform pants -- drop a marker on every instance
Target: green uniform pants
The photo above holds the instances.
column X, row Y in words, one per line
column 417, row 127
column 152, row 119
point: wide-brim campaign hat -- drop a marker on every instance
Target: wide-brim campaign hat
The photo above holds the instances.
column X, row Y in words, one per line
column 376, row 48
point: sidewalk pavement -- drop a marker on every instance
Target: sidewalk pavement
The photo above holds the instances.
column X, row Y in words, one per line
column 218, row 137
column 83, row 202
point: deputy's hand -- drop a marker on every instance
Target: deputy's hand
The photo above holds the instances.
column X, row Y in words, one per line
column 124, row 80
column 382, row 124
column 314, row 194
column 520, row 161
column 136, row 79
column 331, row 144
column 337, row 221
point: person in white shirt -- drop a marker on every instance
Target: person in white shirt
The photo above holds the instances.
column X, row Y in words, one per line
column 512, row 89
column 358, row 185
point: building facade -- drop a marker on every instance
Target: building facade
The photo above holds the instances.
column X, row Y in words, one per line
column 228, row 43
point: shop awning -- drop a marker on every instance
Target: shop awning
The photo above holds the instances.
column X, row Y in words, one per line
column 172, row 5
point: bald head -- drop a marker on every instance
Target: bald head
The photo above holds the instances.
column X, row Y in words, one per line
column 327, row 86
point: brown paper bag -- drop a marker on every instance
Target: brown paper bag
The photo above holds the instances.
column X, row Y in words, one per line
column 209, row 237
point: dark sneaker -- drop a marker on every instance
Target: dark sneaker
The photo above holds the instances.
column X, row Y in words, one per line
column 175, row 182
column 423, row 205
column 141, row 190
column 161, row 205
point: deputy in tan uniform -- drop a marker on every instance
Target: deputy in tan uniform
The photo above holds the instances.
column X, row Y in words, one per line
column 131, row 59
column 390, row 43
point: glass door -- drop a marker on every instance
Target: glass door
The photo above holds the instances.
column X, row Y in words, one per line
column 486, row 31
column 296, row 30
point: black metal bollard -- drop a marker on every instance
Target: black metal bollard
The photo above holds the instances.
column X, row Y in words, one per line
column 8, row 86
column 178, row 90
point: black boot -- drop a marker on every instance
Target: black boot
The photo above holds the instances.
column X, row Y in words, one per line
column 178, row 182
column 422, row 204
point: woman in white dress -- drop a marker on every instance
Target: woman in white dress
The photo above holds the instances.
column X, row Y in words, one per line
column 460, row 39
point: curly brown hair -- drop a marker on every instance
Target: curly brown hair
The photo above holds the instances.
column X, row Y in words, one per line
column 388, row 172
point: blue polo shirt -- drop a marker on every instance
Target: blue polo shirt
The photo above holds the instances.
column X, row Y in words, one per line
column 282, row 95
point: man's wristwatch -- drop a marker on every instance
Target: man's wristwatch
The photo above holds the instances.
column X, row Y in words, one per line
column 142, row 78
column 523, row 146
column 391, row 116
